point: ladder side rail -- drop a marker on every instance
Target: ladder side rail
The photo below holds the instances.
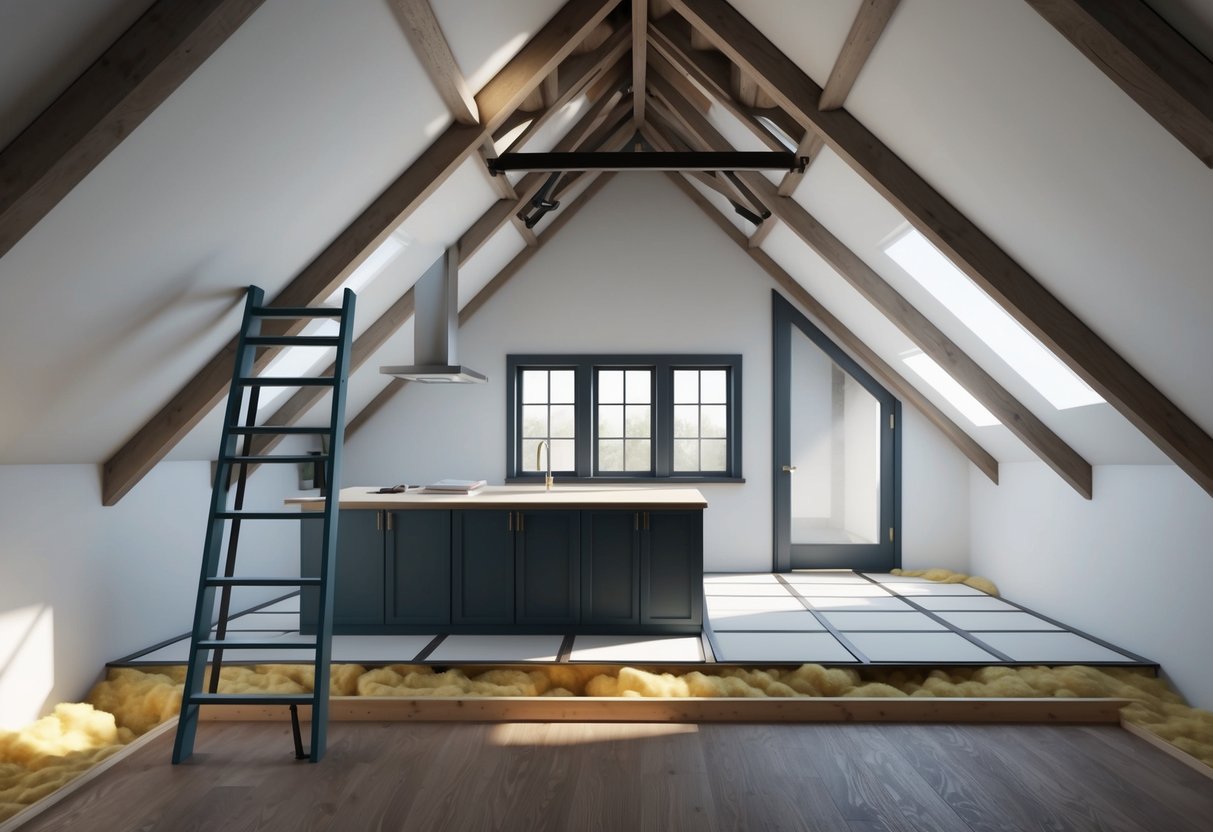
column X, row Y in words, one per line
column 187, row 725
column 320, row 691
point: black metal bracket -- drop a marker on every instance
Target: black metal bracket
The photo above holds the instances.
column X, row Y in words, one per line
column 299, row 752
column 542, row 202
column 658, row 161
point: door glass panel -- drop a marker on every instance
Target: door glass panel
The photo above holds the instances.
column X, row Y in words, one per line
column 836, row 435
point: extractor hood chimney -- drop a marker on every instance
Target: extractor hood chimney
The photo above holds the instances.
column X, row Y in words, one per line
column 435, row 324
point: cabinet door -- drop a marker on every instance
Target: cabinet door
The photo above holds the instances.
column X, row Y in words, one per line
column 672, row 568
column 482, row 573
column 610, row 568
column 546, row 547
column 419, row 568
column 358, row 590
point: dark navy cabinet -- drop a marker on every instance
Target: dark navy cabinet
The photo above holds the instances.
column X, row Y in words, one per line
column 547, row 589
column 418, row 568
column 488, row 570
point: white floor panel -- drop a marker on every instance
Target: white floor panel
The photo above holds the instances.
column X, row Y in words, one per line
column 745, row 589
column 885, row 604
column 636, row 649
column 882, row 621
column 497, row 649
column 918, row 647
column 285, row 605
column 963, row 602
column 740, row 578
column 780, row 647
column 751, row 602
column 753, row 620
column 176, row 653
column 395, row 649
column 886, row 577
column 977, row 621
column 932, row 588
column 842, row 590
column 1050, row 647
column 823, row 578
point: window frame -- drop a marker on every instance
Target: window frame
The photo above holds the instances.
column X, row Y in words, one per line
column 662, row 423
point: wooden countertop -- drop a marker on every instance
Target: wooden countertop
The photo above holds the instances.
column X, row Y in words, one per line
column 517, row 497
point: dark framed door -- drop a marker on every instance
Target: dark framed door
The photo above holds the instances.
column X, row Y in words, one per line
column 837, row 449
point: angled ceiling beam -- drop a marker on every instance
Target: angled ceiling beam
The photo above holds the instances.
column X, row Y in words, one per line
column 1018, row 419
column 106, row 103
column 1008, row 283
column 421, row 27
column 869, row 24
column 1156, row 66
column 478, row 301
column 851, row 342
column 324, row 275
column 680, row 81
column 655, row 132
column 640, row 51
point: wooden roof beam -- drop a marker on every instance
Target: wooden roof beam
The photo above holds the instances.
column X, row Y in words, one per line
column 848, row 340
column 1008, row 283
column 1017, row 418
column 416, row 18
column 499, row 97
column 1156, row 66
column 105, row 104
column 869, row 24
column 640, row 51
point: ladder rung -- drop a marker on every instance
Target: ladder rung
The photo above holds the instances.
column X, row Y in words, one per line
column 276, row 430
column 257, row 459
column 296, row 311
column 292, row 340
column 237, row 581
column 228, row 644
column 268, row 515
column 286, row 381
column 251, row 699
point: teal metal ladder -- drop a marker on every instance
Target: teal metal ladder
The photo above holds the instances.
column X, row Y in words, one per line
column 207, row 648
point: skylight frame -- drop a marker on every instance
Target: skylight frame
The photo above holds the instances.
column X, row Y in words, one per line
column 984, row 317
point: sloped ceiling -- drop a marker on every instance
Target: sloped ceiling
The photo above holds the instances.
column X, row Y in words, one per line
column 298, row 121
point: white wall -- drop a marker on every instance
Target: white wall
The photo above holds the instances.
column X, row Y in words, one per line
column 639, row 270
column 83, row 584
column 1131, row 566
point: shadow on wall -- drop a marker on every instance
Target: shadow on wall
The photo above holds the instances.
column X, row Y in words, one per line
column 27, row 663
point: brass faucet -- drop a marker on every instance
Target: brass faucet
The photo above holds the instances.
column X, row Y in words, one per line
column 547, row 481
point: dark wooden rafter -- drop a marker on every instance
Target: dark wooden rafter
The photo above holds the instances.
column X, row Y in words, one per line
column 656, row 135
column 1008, row 283
column 1156, row 66
column 421, row 28
column 106, row 103
column 640, row 24
column 1017, row 418
column 565, row 214
column 499, row 97
column 680, row 81
column 848, row 340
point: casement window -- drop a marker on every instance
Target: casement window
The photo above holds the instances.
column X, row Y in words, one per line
column 624, row 417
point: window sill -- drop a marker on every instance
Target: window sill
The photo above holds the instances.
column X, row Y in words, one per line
column 655, row 482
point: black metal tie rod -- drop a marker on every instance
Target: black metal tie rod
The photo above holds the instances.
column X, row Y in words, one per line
column 677, row 161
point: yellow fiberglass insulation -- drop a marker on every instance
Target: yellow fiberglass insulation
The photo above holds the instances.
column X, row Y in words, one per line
column 947, row 576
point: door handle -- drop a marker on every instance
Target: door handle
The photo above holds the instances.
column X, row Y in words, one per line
column 789, row 469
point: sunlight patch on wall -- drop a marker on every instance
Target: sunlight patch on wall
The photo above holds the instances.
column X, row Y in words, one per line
column 27, row 663
column 990, row 322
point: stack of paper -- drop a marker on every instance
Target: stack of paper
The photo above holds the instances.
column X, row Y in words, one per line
column 455, row 486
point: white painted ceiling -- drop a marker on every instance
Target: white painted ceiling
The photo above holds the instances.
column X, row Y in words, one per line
column 308, row 111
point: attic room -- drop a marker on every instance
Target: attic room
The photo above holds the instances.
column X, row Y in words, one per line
column 991, row 234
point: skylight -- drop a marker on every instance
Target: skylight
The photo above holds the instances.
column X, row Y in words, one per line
column 949, row 388
column 776, row 131
column 990, row 322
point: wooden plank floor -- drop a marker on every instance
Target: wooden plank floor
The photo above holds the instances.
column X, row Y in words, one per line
column 621, row 776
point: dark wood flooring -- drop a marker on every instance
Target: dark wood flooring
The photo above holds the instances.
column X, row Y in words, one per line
column 850, row 778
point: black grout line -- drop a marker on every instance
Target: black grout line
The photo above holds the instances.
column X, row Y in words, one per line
column 824, row 622
column 566, row 649
column 429, row 648
column 965, row 634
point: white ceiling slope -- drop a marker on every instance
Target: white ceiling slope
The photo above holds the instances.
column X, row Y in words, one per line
column 134, row 281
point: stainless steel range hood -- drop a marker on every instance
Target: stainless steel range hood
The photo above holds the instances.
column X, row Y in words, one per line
column 435, row 324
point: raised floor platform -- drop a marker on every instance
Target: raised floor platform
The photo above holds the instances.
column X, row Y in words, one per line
column 836, row 618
